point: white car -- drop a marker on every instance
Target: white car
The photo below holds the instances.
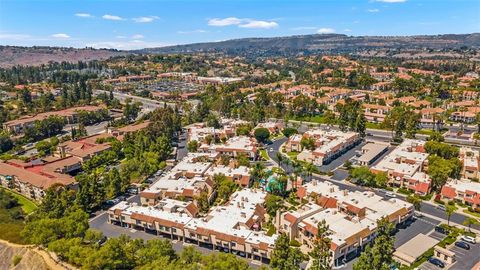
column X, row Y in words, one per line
column 468, row 239
column 390, row 194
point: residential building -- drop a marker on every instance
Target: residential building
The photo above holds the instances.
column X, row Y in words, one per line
column 294, row 143
column 70, row 115
column 234, row 227
column 471, row 163
column 32, row 180
column 187, row 180
column 329, row 145
column 350, row 216
column 464, row 191
column 405, row 165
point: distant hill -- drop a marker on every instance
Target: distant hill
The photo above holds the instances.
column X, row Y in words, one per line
column 34, row 56
column 335, row 43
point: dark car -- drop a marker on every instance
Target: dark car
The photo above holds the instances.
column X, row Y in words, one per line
column 436, row 262
column 441, row 230
column 462, row 244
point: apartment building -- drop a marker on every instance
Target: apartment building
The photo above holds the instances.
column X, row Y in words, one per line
column 234, row 227
column 470, row 159
column 273, row 127
column 234, row 147
column 351, row 217
column 329, row 145
column 239, row 175
column 375, row 113
column 431, row 116
column 32, row 180
column 84, row 148
column 70, row 115
column 187, row 180
column 465, row 191
column 294, row 143
column 406, row 166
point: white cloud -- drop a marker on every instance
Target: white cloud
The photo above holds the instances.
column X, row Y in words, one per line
column 112, row 17
column 259, row 24
column 392, row 1
column 242, row 22
column 347, row 30
column 373, row 10
column 121, row 37
column 326, row 30
column 60, row 35
column 126, row 45
column 224, row 22
column 145, row 19
column 137, row 36
column 84, row 15
column 192, row 32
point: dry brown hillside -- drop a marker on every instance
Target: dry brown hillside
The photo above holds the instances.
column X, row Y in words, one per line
column 34, row 56
column 31, row 258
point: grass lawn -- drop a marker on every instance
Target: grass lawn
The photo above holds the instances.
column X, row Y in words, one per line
column 292, row 155
column 374, row 125
column 28, row 206
column 472, row 213
column 264, row 155
column 428, row 132
column 10, row 228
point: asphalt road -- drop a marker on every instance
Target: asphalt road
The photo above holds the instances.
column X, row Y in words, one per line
column 148, row 104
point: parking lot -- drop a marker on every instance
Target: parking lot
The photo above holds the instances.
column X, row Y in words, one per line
column 464, row 259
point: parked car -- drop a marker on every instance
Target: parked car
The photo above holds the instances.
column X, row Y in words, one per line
column 133, row 191
column 441, row 230
column 390, row 194
column 441, row 207
column 468, row 239
column 436, row 262
column 462, row 244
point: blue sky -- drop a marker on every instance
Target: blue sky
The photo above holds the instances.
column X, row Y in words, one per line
column 133, row 24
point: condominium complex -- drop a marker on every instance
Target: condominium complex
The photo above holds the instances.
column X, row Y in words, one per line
column 350, row 216
column 234, row 227
column 465, row 191
column 70, row 116
column 193, row 175
column 329, row 145
column 471, row 163
column 31, row 180
column 405, row 166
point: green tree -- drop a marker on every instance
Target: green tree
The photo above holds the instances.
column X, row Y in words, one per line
column 287, row 132
column 285, row 257
column 364, row 176
column 308, row 143
column 380, row 255
column 416, row 201
column 321, row 248
column 469, row 222
column 381, row 179
column 261, row 134
column 192, row 146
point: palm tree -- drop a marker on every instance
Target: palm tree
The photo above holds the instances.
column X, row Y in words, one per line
column 449, row 210
column 279, row 159
column 469, row 222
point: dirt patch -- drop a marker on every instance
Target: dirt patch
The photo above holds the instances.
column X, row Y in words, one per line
column 32, row 258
